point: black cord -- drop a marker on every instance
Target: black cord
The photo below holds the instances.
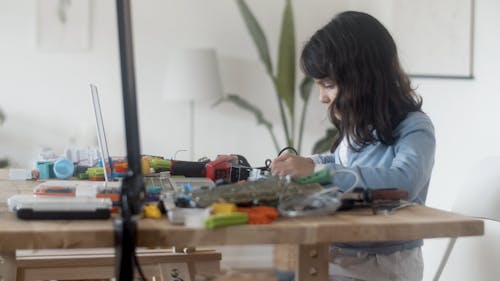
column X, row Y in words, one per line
column 138, row 266
column 288, row 148
column 267, row 163
column 127, row 216
column 126, row 210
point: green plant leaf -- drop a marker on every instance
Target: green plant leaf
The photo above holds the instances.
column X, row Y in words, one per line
column 285, row 78
column 325, row 143
column 2, row 117
column 261, row 120
column 305, row 93
column 242, row 103
column 257, row 35
column 305, row 88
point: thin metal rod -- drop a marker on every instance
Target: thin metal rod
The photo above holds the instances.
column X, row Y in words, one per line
column 101, row 133
column 446, row 255
column 191, row 130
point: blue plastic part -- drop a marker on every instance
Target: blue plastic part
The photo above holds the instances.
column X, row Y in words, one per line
column 187, row 187
column 63, row 169
column 45, row 168
column 282, row 275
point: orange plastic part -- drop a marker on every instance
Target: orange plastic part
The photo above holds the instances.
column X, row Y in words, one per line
column 121, row 167
column 115, row 198
column 260, row 214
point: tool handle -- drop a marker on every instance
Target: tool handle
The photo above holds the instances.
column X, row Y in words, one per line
column 188, row 168
column 388, row 194
column 321, row 177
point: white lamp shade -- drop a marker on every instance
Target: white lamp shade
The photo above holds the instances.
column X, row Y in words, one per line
column 192, row 75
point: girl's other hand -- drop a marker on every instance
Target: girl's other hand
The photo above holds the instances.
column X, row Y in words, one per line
column 293, row 165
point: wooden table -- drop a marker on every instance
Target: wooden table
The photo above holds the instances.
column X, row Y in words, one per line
column 312, row 234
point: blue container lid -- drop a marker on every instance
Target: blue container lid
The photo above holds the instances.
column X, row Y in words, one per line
column 63, row 168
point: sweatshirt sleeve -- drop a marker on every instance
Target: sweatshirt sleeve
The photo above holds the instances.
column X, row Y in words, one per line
column 327, row 158
column 411, row 167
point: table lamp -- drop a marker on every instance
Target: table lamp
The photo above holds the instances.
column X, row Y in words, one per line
column 192, row 75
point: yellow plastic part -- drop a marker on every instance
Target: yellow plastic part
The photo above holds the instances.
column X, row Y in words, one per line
column 151, row 212
column 145, row 165
column 223, row 208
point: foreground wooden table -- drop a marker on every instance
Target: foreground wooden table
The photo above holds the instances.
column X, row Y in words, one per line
column 312, row 234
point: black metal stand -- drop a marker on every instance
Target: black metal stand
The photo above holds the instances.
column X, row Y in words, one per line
column 124, row 248
column 132, row 191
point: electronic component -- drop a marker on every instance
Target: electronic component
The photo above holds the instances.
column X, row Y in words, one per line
column 269, row 189
column 225, row 167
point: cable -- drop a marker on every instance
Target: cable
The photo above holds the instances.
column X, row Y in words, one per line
column 324, row 202
column 126, row 211
column 356, row 178
column 139, row 269
column 288, row 148
column 267, row 163
column 177, row 151
column 127, row 229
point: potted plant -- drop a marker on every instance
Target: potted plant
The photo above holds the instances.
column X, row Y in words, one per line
column 4, row 162
column 2, row 117
column 283, row 79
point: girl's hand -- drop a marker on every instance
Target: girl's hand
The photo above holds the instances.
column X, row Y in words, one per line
column 293, row 165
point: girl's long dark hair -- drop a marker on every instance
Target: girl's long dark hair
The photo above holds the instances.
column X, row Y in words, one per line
column 357, row 53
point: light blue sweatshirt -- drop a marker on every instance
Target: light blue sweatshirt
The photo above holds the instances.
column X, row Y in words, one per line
column 406, row 164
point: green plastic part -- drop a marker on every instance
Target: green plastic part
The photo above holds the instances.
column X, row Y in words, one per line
column 219, row 220
column 160, row 163
column 95, row 172
column 83, row 176
column 321, row 177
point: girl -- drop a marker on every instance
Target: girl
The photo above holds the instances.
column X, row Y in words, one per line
column 384, row 137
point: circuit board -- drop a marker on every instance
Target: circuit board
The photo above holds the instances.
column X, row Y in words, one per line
column 268, row 189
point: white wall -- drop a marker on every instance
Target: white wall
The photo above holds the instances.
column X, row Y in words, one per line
column 46, row 95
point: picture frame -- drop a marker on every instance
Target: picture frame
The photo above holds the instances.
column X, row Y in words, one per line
column 435, row 39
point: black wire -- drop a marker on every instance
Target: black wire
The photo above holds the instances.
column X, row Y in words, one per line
column 267, row 163
column 127, row 213
column 134, row 256
column 138, row 266
column 288, row 148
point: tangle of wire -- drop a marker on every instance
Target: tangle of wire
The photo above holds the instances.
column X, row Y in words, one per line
column 331, row 204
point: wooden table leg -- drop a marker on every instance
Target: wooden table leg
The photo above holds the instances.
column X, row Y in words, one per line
column 176, row 271
column 7, row 266
column 312, row 262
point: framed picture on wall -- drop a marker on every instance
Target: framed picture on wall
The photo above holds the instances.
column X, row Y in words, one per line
column 63, row 25
column 435, row 39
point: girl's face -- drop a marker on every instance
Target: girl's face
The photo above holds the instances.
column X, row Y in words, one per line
column 327, row 91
